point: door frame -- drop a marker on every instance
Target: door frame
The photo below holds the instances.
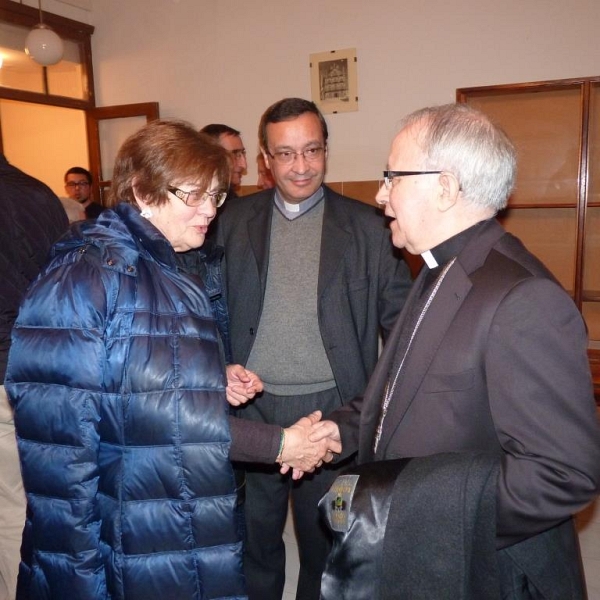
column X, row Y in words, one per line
column 93, row 117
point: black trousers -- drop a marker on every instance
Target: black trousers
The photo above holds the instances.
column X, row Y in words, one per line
column 267, row 498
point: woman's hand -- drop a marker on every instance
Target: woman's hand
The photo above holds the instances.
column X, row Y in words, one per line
column 242, row 385
column 304, row 450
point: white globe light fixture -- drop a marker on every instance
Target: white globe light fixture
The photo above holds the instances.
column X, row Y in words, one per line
column 43, row 44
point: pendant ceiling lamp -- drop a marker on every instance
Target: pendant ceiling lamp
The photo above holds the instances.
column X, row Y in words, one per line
column 43, row 44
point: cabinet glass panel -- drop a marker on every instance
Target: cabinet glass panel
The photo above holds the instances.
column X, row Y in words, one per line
column 549, row 233
column 591, row 315
column 545, row 128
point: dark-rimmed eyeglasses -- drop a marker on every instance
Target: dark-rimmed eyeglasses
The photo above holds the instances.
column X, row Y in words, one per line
column 388, row 176
column 74, row 184
column 198, row 197
column 287, row 157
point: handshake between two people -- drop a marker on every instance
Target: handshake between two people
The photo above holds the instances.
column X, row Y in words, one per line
column 306, row 444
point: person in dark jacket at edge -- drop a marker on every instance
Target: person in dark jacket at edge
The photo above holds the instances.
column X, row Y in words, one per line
column 32, row 219
column 121, row 394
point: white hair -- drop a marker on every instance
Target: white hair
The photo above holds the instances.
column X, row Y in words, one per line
column 463, row 141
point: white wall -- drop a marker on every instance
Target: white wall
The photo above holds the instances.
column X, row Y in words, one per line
column 80, row 10
column 227, row 60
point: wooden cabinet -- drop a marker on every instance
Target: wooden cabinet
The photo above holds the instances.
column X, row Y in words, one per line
column 555, row 208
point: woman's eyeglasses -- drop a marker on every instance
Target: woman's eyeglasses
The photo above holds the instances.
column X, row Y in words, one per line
column 198, row 197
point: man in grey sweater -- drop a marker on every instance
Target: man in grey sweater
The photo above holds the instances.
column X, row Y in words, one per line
column 311, row 282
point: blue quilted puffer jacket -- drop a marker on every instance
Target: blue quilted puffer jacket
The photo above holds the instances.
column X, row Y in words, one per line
column 119, row 395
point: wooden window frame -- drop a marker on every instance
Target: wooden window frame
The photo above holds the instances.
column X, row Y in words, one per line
column 26, row 16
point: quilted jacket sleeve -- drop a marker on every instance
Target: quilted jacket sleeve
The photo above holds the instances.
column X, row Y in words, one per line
column 55, row 382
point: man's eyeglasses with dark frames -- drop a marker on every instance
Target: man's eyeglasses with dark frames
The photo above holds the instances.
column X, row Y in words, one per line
column 74, row 184
column 388, row 176
column 197, row 197
column 287, row 157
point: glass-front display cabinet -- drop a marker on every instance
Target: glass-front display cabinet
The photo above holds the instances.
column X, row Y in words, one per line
column 555, row 208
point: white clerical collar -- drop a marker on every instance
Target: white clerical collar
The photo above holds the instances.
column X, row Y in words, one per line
column 291, row 207
column 292, row 211
column 429, row 259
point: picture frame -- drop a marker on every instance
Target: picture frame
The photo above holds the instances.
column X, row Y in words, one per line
column 334, row 80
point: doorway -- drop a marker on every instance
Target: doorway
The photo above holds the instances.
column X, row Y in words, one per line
column 44, row 141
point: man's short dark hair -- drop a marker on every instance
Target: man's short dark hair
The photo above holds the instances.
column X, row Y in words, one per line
column 285, row 110
column 79, row 171
column 216, row 130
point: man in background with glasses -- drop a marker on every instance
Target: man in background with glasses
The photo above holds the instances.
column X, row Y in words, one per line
column 230, row 139
column 78, row 185
column 311, row 282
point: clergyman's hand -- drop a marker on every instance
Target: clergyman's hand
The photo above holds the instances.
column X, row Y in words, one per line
column 325, row 429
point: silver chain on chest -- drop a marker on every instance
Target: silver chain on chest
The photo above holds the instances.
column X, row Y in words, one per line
column 389, row 389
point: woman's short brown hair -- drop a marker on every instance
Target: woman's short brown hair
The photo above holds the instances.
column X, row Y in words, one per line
column 163, row 153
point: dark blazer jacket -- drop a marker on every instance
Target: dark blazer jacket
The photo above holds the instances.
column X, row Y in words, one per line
column 413, row 529
column 362, row 285
column 424, row 528
column 31, row 220
column 499, row 364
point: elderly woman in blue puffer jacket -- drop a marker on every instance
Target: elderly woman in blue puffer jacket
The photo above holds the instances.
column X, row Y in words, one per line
column 118, row 383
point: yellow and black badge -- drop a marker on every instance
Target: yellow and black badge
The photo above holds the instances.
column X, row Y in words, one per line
column 338, row 501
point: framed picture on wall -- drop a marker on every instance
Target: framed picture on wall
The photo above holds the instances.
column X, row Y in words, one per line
column 334, row 82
